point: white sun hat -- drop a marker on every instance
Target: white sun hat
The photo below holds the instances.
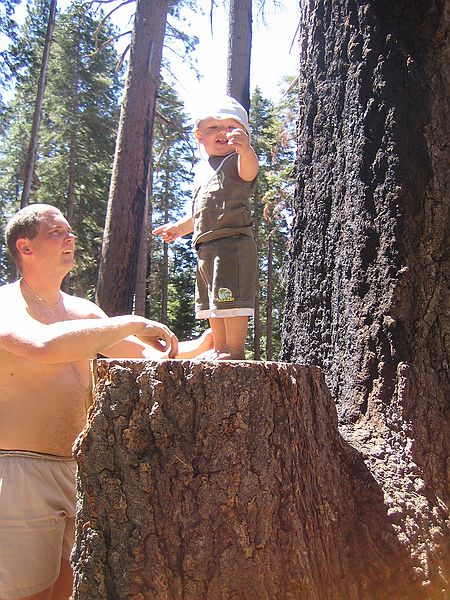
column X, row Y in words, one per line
column 225, row 107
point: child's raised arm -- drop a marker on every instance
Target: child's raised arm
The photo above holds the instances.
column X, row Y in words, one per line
column 248, row 161
column 171, row 231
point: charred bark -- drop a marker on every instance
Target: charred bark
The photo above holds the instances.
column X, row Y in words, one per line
column 239, row 51
column 368, row 283
column 230, row 480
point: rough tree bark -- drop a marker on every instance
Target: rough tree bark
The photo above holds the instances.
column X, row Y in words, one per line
column 239, row 51
column 368, row 282
column 126, row 202
column 203, row 481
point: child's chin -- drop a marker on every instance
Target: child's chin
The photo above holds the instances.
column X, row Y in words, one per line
column 224, row 148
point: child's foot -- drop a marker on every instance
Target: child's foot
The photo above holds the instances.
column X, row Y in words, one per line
column 206, row 342
column 208, row 355
column 220, row 355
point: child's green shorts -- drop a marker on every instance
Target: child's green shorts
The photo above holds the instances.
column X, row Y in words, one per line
column 226, row 277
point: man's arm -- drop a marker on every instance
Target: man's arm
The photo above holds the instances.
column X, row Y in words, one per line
column 68, row 341
column 131, row 346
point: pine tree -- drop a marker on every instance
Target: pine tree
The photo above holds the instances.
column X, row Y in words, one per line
column 25, row 54
column 173, row 276
column 79, row 134
column 274, row 141
column 77, row 131
column 116, row 285
column 239, row 50
column 30, row 161
column 8, row 31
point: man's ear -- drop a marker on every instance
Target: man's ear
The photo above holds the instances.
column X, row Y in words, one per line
column 198, row 135
column 23, row 246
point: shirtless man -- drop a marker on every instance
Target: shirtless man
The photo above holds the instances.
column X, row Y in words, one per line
column 46, row 340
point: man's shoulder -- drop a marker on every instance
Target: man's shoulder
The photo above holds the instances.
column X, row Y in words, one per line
column 82, row 308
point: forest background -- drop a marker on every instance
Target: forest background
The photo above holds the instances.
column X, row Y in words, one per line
column 78, row 132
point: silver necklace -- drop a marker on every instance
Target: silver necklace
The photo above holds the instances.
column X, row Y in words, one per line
column 38, row 297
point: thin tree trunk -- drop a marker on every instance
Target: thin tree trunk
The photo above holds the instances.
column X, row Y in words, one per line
column 71, row 189
column 368, row 297
column 257, row 315
column 126, row 202
column 239, row 51
column 144, row 247
column 32, row 147
column 148, row 302
column 72, row 174
column 269, row 301
column 165, row 261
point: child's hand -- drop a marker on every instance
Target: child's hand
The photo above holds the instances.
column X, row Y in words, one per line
column 239, row 139
column 169, row 232
column 247, row 161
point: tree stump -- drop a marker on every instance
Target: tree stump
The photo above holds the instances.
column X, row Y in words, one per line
column 227, row 480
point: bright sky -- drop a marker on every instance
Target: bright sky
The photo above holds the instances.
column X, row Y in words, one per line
column 274, row 48
column 272, row 55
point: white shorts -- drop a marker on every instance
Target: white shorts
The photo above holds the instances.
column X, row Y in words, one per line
column 37, row 520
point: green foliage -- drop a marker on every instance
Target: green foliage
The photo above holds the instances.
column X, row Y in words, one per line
column 78, row 128
column 79, row 135
column 75, row 153
column 8, row 34
column 181, row 292
column 273, row 138
column 26, row 48
column 173, row 156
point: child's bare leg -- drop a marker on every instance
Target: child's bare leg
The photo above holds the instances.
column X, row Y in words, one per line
column 219, row 334
column 229, row 338
column 235, row 336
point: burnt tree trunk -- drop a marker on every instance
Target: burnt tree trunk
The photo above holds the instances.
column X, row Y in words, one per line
column 203, row 481
column 239, row 51
column 368, row 282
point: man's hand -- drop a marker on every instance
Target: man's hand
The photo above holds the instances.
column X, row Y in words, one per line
column 159, row 337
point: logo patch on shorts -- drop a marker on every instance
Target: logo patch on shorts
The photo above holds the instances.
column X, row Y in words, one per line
column 225, row 295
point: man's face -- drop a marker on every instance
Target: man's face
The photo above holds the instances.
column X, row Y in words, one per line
column 213, row 134
column 54, row 245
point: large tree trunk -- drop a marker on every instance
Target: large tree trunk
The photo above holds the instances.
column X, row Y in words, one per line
column 368, row 283
column 212, row 481
column 239, row 51
column 126, row 203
